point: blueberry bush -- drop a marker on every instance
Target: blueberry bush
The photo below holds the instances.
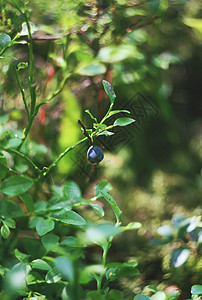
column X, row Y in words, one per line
column 62, row 233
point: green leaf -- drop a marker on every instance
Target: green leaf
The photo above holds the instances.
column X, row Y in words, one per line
column 109, row 90
column 91, row 115
column 28, row 201
column 106, row 133
column 40, row 207
column 179, row 256
column 53, row 276
column 10, row 209
column 131, row 226
column 65, row 266
column 104, row 186
column 34, row 221
column 4, row 40
column 44, row 226
column 49, row 241
column 117, row 270
column 95, row 68
column 24, row 30
column 142, row 297
column 10, row 223
column 113, row 112
column 3, row 166
column 99, row 126
column 174, row 295
column 98, row 209
column 16, row 185
column 92, row 295
column 99, row 233
column 5, row 231
column 40, row 265
column 159, row 296
column 71, row 241
column 113, row 204
column 34, row 278
column 2, row 271
column 196, row 289
column 71, row 217
column 22, row 65
column 123, row 121
column 114, row 294
column 113, row 54
column 20, row 256
column 71, row 192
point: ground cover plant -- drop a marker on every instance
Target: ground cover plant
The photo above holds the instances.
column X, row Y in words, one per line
column 56, row 239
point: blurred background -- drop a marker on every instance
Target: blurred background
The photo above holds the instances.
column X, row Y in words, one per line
column 151, row 53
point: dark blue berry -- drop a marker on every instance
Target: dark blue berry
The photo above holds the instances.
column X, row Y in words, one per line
column 95, row 154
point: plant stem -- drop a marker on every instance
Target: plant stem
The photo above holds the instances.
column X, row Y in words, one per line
column 106, row 116
column 104, row 259
column 48, row 170
column 23, row 156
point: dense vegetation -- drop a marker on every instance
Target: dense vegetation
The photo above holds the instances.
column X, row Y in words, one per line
column 120, row 78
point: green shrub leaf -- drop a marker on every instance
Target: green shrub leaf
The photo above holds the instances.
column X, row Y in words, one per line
column 123, row 121
column 49, row 241
column 16, row 185
column 44, row 226
column 5, row 231
column 196, row 289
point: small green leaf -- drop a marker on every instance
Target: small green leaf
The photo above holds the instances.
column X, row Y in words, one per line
column 174, row 295
column 117, row 270
column 22, row 65
column 2, row 271
column 28, row 201
column 91, row 115
column 3, row 166
column 104, row 186
column 142, row 297
column 131, row 226
column 106, row 133
column 65, row 266
column 109, row 90
column 5, row 231
column 99, row 233
column 16, row 185
column 71, row 217
column 4, row 40
column 40, row 265
column 123, row 121
column 20, row 256
column 196, row 289
column 113, row 204
column 49, row 241
column 44, row 226
column 53, row 276
column 113, row 112
column 71, row 241
column 10, row 223
column 95, row 68
column 35, row 278
column 24, row 30
column 10, row 209
column 98, row 209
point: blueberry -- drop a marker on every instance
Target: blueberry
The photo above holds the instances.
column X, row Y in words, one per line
column 95, row 154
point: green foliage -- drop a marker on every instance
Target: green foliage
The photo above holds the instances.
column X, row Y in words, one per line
column 52, row 232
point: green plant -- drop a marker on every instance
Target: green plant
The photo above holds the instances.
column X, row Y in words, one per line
column 51, row 262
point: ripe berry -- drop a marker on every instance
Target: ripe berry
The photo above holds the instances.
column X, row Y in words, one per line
column 95, row 154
